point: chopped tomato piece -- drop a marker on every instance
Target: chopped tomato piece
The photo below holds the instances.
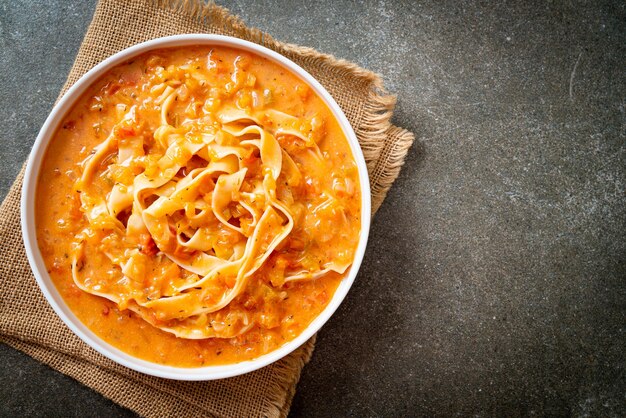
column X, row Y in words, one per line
column 125, row 132
column 147, row 245
column 112, row 88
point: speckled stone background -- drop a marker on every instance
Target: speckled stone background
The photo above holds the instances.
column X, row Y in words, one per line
column 495, row 280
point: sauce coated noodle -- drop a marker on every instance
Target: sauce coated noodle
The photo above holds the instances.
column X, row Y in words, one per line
column 209, row 192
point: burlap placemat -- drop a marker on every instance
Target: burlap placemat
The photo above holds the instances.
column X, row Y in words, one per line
column 29, row 324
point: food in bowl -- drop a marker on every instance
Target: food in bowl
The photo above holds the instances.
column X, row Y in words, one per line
column 198, row 206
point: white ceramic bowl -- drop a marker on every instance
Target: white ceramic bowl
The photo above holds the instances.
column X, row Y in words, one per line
column 36, row 260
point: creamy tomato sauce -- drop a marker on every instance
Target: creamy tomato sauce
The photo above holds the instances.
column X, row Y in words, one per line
column 268, row 215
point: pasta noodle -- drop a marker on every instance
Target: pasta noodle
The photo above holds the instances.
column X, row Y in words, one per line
column 207, row 190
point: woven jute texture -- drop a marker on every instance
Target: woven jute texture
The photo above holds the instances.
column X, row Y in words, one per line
column 29, row 324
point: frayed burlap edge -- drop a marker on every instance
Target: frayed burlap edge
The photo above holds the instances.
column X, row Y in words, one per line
column 287, row 373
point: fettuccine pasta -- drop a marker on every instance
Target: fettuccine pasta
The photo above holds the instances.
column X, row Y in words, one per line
column 213, row 196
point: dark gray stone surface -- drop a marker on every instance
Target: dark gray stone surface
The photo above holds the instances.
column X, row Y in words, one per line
column 495, row 280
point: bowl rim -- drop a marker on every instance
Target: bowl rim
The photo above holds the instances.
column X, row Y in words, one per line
column 49, row 290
